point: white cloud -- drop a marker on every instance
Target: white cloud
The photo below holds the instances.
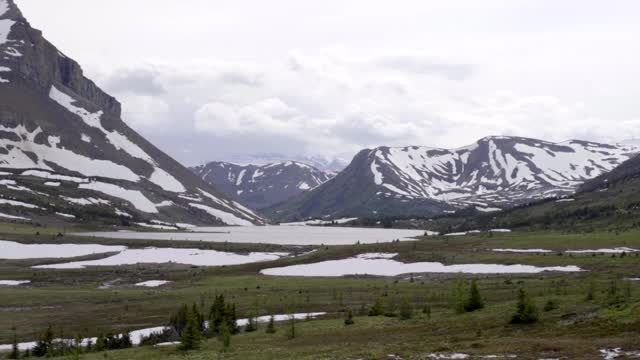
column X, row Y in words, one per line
column 338, row 76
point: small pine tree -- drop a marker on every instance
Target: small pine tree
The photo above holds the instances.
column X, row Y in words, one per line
column 550, row 305
column 271, row 326
column 44, row 345
column 390, row 309
column 406, row 309
column 526, row 310
column 292, row 327
column 251, row 324
column 426, row 310
column 15, row 350
column 349, row 320
column 474, row 301
column 591, row 288
column 613, row 293
column 190, row 339
column 377, row 309
column 457, row 299
column 225, row 337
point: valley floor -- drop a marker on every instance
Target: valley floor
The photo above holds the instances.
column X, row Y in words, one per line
column 98, row 300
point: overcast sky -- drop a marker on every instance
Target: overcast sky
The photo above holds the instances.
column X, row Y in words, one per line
column 204, row 79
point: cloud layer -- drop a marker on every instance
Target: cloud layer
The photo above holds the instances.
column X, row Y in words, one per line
column 333, row 79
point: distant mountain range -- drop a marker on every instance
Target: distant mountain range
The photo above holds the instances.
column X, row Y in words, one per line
column 492, row 174
column 331, row 164
column 262, row 186
column 66, row 155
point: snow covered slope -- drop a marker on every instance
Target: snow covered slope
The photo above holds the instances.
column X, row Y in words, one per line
column 65, row 149
column 262, row 186
column 494, row 173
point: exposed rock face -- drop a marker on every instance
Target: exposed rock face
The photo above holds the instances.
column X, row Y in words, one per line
column 492, row 174
column 262, row 186
column 58, row 127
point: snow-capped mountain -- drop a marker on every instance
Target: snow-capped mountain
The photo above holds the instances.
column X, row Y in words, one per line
column 324, row 163
column 66, row 154
column 262, row 186
column 494, row 173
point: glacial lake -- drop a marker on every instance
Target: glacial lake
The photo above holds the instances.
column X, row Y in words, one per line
column 280, row 235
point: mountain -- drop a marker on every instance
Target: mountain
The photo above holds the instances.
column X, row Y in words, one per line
column 494, row 173
column 262, row 186
column 609, row 202
column 324, row 163
column 66, row 155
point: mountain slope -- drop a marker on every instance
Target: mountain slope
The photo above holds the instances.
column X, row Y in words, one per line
column 610, row 201
column 261, row 186
column 64, row 148
column 492, row 174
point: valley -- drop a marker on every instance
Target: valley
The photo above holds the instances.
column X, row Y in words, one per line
column 511, row 247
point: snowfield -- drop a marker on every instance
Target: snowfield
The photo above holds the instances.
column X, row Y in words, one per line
column 15, row 251
column 136, row 198
column 14, row 282
column 152, row 283
column 378, row 265
column 153, row 255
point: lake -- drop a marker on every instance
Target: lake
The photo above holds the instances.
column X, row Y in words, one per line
column 280, row 235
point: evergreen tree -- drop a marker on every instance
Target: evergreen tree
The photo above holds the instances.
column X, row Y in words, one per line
column 15, row 350
column 377, row 309
column 457, row 299
column 474, row 301
column 44, row 346
column 591, row 288
column 292, row 327
column 190, row 339
column 349, row 320
column 231, row 318
column 390, row 309
column 526, row 310
column 251, row 324
column 179, row 320
column 100, row 344
column 271, row 326
column 225, row 337
column 426, row 310
column 406, row 309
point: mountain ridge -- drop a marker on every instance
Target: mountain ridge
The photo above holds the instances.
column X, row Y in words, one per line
column 261, row 186
column 58, row 127
column 495, row 172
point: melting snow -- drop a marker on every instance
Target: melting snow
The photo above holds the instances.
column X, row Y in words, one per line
column 12, row 217
column 522, row 250
column 18, row 203
column 66, row 215
column 617, row 250
column 225, row 217
column 363, row 265
column 135, row 197
column 170, row 255
column 118, row 140
column 13, row 282
column 16, row 251
column 50, row 176
column 153, row 283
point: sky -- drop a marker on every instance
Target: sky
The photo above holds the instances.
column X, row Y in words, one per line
column 207, row 79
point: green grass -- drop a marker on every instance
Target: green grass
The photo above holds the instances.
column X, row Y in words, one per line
column 71, row 301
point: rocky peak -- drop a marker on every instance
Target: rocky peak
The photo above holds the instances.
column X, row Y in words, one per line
column 30, row 56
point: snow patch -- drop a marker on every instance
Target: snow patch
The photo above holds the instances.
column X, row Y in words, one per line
column 225, row 217
column 14, row 282
column 136, row 198
column 16, row 251
column 363, row 265
column 153, row 283
column 153, row 255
